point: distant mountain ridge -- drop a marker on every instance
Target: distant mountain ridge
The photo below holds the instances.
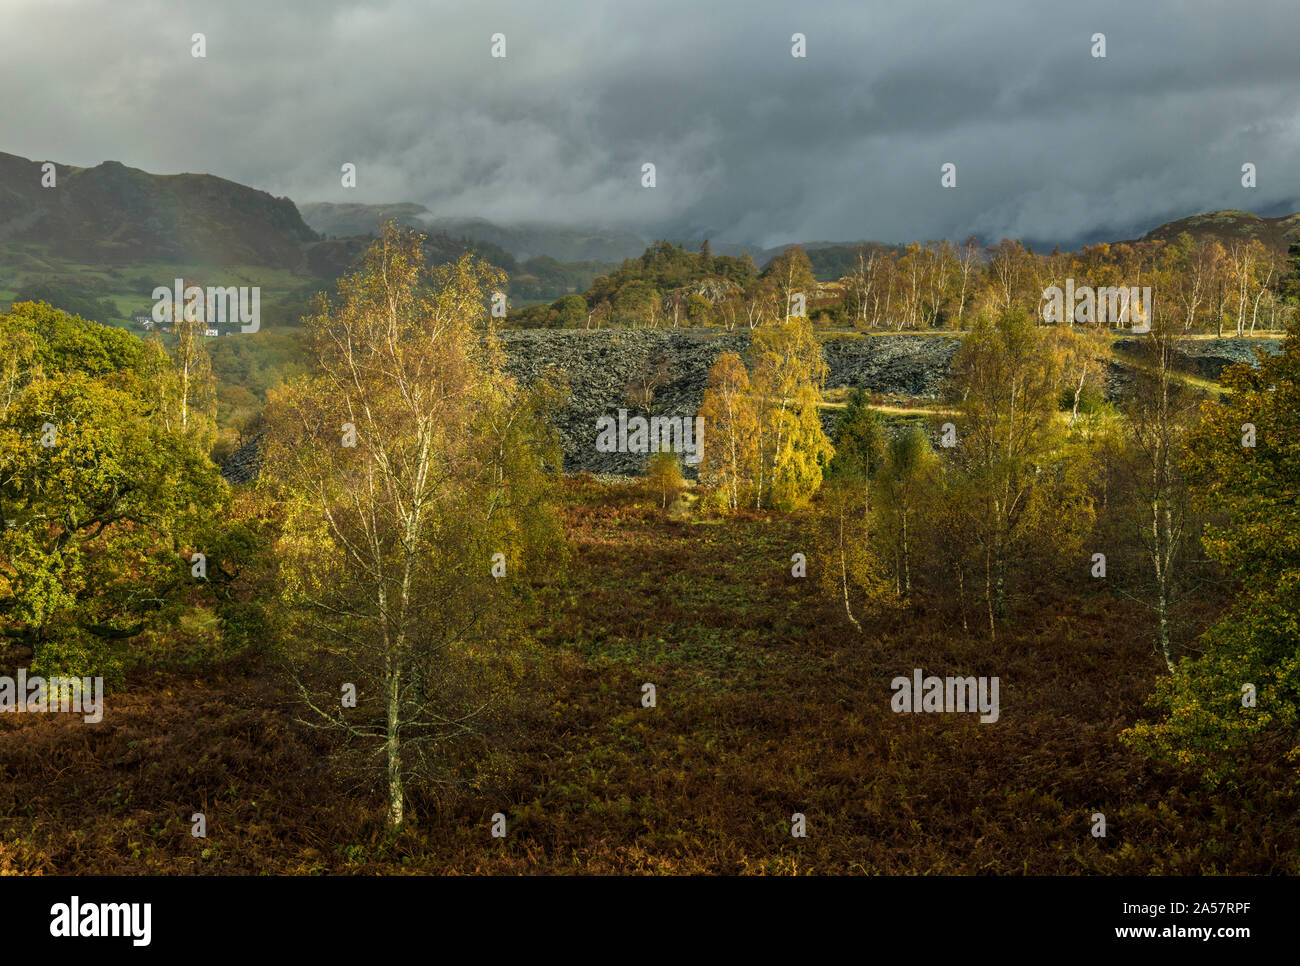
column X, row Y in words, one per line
column 100, row 220
column 113, row 214
column 521, row 241
column 101, row 238
column 336, row 220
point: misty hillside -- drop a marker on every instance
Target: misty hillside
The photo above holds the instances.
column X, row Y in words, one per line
column 521, row 241
column 348, row 220
column 830, row 260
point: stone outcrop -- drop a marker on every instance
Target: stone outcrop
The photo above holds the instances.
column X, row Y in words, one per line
column 611, row 369
column 243, row 464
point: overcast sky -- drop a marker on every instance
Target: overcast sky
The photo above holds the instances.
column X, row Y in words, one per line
column 751, row 144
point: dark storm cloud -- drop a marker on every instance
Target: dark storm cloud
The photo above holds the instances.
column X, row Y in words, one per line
column 750, row 144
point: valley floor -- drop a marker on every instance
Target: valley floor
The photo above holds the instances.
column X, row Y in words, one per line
column 768, row 704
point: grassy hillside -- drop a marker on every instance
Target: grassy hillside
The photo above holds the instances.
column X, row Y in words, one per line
column 1230, row 225
column 114, row 215
column 112, row 293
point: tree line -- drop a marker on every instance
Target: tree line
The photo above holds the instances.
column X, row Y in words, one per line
column 1203, row 284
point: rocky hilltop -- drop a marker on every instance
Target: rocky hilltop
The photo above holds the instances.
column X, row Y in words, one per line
column 664, row 372
column 658, row 372
column 614, row 369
